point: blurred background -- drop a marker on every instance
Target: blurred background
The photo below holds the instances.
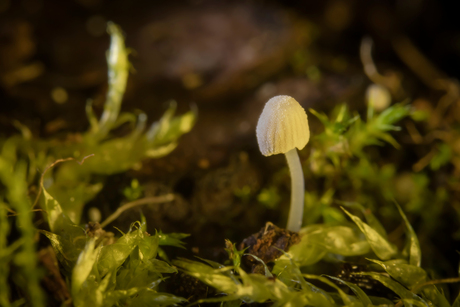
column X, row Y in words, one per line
column 228, row 58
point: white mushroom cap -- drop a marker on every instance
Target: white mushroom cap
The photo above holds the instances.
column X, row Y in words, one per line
column 282, row 126
column 378, row 96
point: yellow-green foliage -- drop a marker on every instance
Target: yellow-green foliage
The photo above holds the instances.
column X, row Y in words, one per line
column 72, row 185
column 22, row 252
column 128, row 271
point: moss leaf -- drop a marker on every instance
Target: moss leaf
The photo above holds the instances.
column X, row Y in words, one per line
column 362, row 296
column 415, row 254
column 407, row 274
column 397, row 288
column 381, row 247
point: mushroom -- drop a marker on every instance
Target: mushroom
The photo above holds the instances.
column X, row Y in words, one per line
column 378, row 98
column 283, row 127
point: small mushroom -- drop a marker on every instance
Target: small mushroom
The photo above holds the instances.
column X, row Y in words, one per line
column 378, row 98
column 283, row 127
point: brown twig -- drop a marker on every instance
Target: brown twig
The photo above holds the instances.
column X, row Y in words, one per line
column 417, row 62
column 452, row 280
column 370, row 69
column 139, row 202
column 8, row 208
column 16, row 214
column 423, row 162
column 414, row 133
column 390, row 80
column 429, row 74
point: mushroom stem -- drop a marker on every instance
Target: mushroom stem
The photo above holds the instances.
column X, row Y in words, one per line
column 297, row 191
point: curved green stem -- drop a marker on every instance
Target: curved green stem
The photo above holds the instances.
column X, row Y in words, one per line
column 297, row 191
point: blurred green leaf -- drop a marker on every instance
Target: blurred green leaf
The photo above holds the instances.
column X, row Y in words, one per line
column 148, row 247
column 67, row 239
column 381, row 247
column 340, row 240
column 269, row 197
column 73, row 197
column 362, row 296
column 289, row 273
column 376, row 130
column 213, row 264
column 233, row 303
column 172, row 239
column 436, row 297
column 412, row 302
column 233, row 253
column 83, row 267
column 59, row 223
column 112, row 256
column 317, row 207
column 67, row 249
column 345, row 298
column 341, row 120
column 118, row 64
column 168, row 128
column 318, row 240
column 442, row 156
column 391, row 115
column 150, row 298
column 216, row 278
column 420, row 115
column 333, row 216
column 457, row 301
column 5, row 256
column 159, row 266
column 134, row 191
column 254, row 288
column 370, row 217
column 13, row 176
column 407, row 274
column 397, row 288
column 415, row 254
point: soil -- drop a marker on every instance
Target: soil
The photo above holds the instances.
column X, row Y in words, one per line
column 267, row 245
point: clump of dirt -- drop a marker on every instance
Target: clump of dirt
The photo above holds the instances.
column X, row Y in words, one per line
column 267, row 245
